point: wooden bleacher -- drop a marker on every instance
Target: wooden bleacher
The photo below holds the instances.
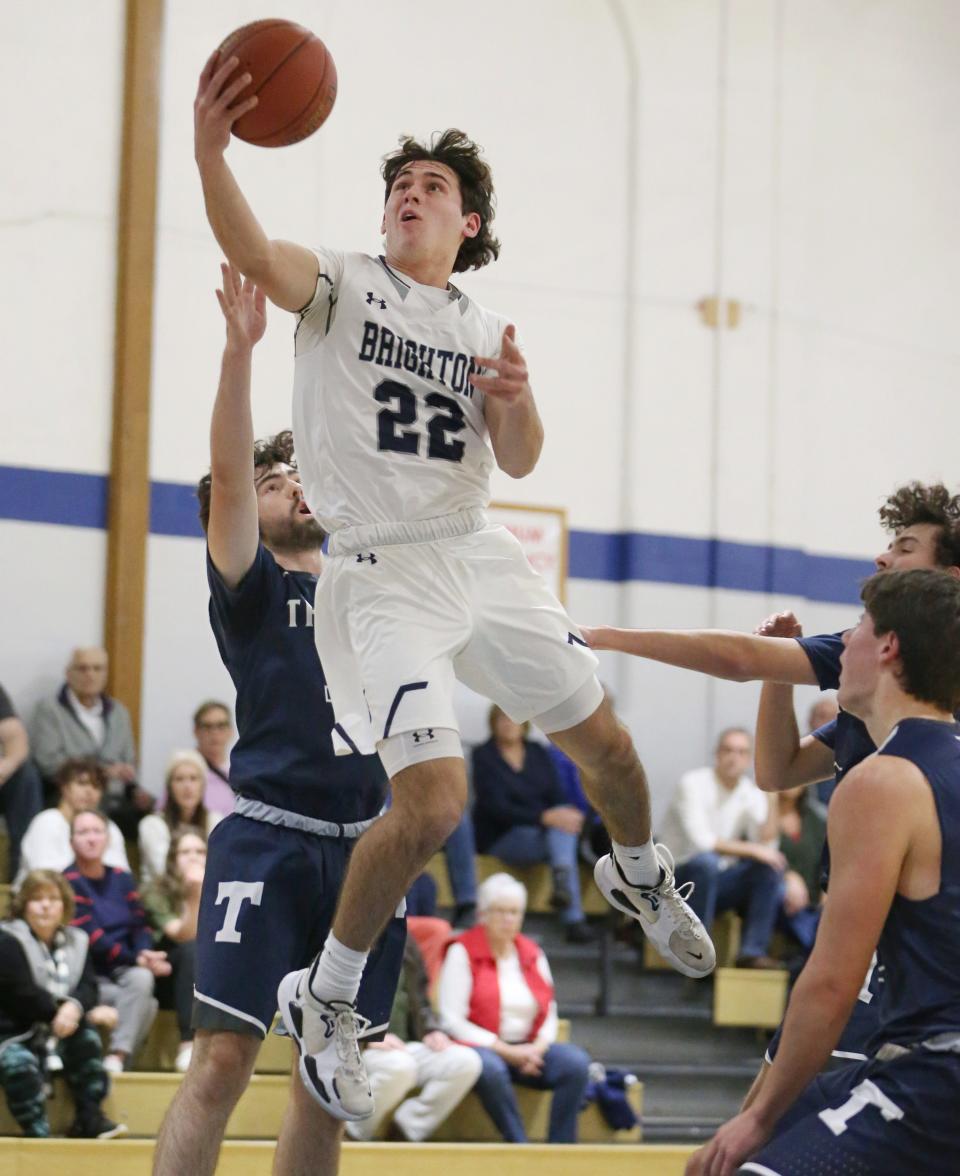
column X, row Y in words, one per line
column 125, row 1157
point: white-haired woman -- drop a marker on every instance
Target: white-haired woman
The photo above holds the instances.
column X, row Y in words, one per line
column 184, row 785
column 496, row 993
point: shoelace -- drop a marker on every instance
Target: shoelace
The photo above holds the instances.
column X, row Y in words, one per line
column 689, row 927
column 348, row 1027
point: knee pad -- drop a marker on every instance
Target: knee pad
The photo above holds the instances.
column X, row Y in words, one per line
column 416, row 747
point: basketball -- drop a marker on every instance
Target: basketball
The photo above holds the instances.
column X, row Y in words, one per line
column 292, row 75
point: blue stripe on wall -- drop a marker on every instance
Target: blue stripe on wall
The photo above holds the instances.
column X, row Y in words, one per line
column 80, row 500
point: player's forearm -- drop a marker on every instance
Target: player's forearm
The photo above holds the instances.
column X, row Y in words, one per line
column 238, row 232
column 722, row 653
column 231, row 426
column 819, row 1008
column 518, row 440
column 777, row 738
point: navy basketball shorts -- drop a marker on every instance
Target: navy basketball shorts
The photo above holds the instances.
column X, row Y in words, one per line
column 896, row 1118
column 268, row 900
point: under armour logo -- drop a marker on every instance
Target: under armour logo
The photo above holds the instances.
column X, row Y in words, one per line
column 424, row 736
column 361, row 558
column 373, row 300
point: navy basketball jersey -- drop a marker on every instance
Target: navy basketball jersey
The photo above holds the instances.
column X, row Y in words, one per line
column 920, row 942
column 284, row 755
column 846, row 735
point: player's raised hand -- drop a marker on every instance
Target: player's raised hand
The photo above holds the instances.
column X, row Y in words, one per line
column 781, row 624
column 244, row 306
column 213, row 110
column 510, row 380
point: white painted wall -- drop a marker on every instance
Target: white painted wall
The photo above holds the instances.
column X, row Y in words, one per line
column 798, row 156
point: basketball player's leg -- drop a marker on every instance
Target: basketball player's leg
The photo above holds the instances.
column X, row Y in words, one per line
column 309, row 1141
column 192, row 1130
column 428, row 802
column 636, row 876
column 611, row 772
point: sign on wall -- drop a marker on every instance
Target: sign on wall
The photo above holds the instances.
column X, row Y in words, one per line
column 542, row 533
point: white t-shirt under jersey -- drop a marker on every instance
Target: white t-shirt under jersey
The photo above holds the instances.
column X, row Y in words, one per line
column 387, row 425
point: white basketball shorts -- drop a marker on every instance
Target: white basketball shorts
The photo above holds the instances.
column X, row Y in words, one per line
column 396, row 622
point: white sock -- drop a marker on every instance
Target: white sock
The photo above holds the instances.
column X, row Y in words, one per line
column 638, row 863
column 336, row 972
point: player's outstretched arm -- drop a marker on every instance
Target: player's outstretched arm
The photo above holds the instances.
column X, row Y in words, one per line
column 782, row 759
column 233, row 531
column 516, row 431
column 721, row 653
column 287, row 273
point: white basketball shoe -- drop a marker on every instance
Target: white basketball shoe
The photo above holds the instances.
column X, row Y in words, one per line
column 326, row 1035
column 662, row 912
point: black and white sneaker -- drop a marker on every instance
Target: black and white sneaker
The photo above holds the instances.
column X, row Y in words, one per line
column 95, row 1125
column 662, row 912
column 326, row 1033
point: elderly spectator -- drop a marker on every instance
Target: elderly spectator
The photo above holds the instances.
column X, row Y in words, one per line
column 81, row 719
column 121, row 942
column 213, row 731
column 184, row 804
column 46, row 843
column 172, row 903
column 724, row 833
column 21, row 793
column 415, row 1053
column 48, row 1009
column 496, row 994
column 521, row 815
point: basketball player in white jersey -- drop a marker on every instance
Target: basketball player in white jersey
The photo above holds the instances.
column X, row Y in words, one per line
column 406, row 394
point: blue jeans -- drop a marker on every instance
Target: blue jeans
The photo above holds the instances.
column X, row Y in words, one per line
column 460, row 851
column 564, row 1072
column 526, row 845
column 752, row 888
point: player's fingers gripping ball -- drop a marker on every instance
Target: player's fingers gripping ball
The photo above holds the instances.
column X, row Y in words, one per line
column 292, row 76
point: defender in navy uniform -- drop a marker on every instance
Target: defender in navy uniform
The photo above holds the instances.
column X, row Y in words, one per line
column 275, row 864
column 894, row 834
column 924, row 524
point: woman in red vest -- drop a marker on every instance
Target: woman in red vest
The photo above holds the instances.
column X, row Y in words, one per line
column 496, row 994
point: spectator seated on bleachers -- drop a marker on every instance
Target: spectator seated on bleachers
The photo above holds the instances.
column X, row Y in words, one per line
column 213, row 731
column 521, row 815
column 48, row 1011
column 496, row 994
column 172, row 903
column 184, row 804
column 21, row 792
column 46, row 843
column 723, row 832
column 82, row 720
column 109, row 909
column 803, row 831
column 417, row 1073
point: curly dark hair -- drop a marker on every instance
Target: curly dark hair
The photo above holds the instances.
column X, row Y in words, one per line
column 73, row 769
column 922, row 606
column 268, row 452
column 916, row 503
column 462, row 156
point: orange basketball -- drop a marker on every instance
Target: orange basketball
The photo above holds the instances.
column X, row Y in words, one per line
column 293, row 77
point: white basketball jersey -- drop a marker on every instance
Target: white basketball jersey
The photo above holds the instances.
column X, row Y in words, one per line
column 387, row 425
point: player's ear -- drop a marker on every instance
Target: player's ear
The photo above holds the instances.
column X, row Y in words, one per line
column 383, row 224
column 471, row 224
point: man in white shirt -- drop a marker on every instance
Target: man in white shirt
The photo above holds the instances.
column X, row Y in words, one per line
column 724, row 832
